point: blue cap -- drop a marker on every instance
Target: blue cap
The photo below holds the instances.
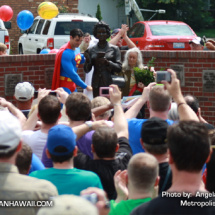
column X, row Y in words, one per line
column 61, row 135
column 115, row 31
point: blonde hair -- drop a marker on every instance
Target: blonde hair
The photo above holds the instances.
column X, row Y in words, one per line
column 3, row 47
column 99, row 101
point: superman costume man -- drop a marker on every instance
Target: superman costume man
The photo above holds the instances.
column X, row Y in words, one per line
column 66, row 64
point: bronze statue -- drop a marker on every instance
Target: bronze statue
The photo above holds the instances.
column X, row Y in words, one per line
column 105, row 57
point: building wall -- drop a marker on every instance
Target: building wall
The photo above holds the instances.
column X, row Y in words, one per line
column 31, row 5
column 196, row 67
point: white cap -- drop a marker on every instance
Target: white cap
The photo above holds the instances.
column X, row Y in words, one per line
column 69, row 204
column 10, row 132
column 24, row 91
column 197, row 40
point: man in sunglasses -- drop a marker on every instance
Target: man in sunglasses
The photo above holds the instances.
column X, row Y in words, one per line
column 118, row 35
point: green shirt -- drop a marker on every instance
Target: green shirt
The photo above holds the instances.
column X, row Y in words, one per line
column 69, row 181
column 125, row 206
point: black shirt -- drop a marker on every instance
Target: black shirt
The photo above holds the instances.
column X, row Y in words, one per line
column 176, row 205
column 163, row 170
column 106, row 169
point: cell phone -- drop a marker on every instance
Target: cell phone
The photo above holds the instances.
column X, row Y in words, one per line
column 51, row 93
column 93, row 198
column 163, row 76
column 100, row 54
column 104, row 91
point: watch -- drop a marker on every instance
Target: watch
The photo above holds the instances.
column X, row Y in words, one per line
column 89, row 124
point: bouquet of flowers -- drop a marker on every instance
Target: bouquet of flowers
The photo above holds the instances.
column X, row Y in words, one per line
column 145, row 75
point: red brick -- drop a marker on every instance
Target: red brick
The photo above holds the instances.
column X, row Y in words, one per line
column 193, row 69
column 22, row 69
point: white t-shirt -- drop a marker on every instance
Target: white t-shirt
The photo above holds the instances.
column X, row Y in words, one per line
column 36, row 140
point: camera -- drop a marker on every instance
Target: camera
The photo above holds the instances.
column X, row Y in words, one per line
column 104, row 91
column 93, row 198
column 51, row 93
column 163, row 76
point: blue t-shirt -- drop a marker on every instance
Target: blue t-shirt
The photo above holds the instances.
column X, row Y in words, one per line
column 69, row 181
column 134, row 129
column 36, row 164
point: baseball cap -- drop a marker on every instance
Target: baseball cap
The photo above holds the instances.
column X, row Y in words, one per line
column 197, row 40
column 69, row 204
column 154, row 131
column 24, row 91
column 61, row 135
column 115, row 31
column 10, row 132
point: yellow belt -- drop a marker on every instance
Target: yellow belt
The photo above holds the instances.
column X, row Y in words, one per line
column 62, row 78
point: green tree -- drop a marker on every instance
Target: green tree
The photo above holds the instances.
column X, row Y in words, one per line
column 98, row 13
column 191, row 12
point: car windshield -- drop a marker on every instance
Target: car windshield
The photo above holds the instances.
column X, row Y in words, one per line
column 171, row 30
column 64, row 28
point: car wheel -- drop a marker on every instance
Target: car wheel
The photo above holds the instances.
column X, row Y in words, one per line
column 20, row 50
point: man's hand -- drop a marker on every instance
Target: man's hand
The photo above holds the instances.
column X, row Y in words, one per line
column 4, row 102
column 89, row 88
column 173, row 87
column 123, row 30
column 120, row 182
column 61, row 95
column 115, row 94
column 42, row 93
column 146, row 91
column 101, row 205
column 210, row 45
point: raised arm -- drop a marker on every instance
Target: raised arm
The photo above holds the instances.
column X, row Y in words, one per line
column 15, row 111
column 32, row 120
column 134, row 110
column 129, row 43
column 102, row 109
column 184, row 110
column 84, row 128
column 120, row 122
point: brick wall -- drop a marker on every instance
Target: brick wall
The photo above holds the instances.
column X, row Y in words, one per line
column 31, row 5
column 38, row 69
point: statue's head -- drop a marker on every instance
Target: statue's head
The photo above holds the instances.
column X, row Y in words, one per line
column 101, row 25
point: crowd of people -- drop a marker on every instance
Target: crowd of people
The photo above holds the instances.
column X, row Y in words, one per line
column 103, row 159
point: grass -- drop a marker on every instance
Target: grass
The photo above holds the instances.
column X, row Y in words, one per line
column 209, row 33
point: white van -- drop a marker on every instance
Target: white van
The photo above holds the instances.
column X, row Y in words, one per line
column 4, row 35
column 53, row 33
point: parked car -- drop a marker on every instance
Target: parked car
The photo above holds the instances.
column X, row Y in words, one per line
column 4, row 35
column 161, row 35
column 53, row 33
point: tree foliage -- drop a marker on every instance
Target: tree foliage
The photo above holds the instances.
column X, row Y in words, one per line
column 98, row 13
column 191, row 12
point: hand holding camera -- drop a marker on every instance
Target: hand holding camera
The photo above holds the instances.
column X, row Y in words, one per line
column 173, row 88
column 163, row 76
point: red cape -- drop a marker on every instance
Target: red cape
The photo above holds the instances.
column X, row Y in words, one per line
column 56, row 74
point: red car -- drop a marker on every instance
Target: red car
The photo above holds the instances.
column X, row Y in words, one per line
column 161, row 35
